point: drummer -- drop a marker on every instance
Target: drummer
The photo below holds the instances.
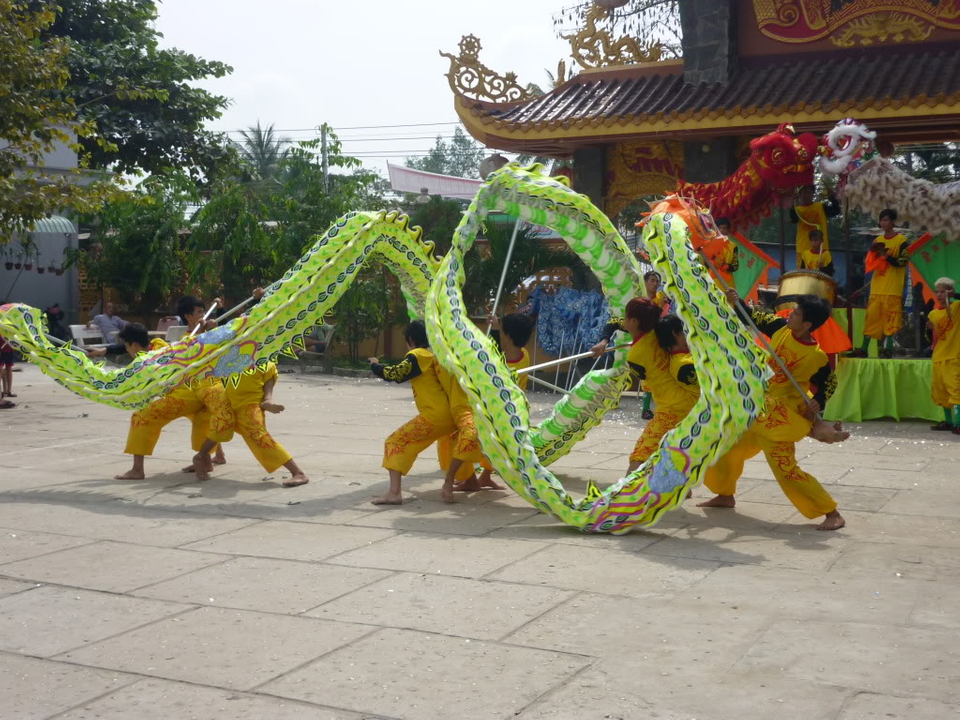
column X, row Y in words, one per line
column 816, row 258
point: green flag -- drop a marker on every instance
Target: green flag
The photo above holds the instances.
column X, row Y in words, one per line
column 753, row 263
column 934, row 258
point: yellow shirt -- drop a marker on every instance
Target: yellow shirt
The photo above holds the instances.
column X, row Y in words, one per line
column 456, row 397
column 249, row 390
column 889, row 279
column 652, row 363
column 946, row 330
column 811, row 217
column 815, row 260
column 517, row 365
column 660, row 299
column 803, row 360
column 428, row 394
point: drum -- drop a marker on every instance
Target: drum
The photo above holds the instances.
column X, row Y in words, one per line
column 805, row 282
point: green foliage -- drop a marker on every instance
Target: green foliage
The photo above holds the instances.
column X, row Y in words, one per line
column 136, row 244
column 438, row 219
column 35, row 118
column 261, row 154
column 460, row 157
column 363, row 310
column 143, row 98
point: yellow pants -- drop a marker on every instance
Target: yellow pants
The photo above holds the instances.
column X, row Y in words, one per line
column 775, row 433
column 463, row 445
column 250, row 423
column 401, row 448
column 147, row 424
column 662, row 422
column 884, row 316
column 946, row 383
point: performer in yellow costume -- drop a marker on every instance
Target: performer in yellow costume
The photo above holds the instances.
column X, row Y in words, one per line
column 888, row 260
column 651, row 363
column 787, row 417
column 463, row 445
column 945, row 322
column 725, row 255
column 816, row 258
column 249, row 398
column 809, row 215
column 147, row 424
column 433, row 422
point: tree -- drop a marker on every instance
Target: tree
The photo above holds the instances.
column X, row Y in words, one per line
column 460, row 157
column 34, row 118
column 143, row 98
column 262, row 153
column 438, row 219
column 136, row 245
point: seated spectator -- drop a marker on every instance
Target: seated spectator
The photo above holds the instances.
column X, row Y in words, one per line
column 109, row 323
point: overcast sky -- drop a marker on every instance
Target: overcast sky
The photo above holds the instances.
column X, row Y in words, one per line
column 297, row 63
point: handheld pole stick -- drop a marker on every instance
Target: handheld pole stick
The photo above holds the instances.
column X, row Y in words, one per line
column 561, row 361
column 503, row 275
column 546, row 384
column 204, row 319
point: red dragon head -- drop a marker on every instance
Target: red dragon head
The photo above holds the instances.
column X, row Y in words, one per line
column 783, row 159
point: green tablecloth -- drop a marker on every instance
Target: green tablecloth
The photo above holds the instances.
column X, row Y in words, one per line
column 868, row 389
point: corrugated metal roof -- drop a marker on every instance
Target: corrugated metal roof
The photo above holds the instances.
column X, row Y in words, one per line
column 829, row 83
column 54, row 224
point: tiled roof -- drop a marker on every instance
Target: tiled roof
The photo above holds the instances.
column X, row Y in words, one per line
column 838, row 83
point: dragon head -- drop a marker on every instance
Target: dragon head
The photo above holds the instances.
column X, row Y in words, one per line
column 847, row 146
column 784, row 160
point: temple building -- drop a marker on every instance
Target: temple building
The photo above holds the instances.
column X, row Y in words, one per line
column 635, row 124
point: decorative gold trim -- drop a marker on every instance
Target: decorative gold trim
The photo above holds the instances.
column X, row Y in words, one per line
column 880, row 28
column 594, row 48
column 468, row 77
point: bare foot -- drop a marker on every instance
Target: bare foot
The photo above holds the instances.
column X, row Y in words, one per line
column 187, row 469
column 833, row 521
column 297, row 479
column 471, row 484
column 446, row 493
column 130, row 475
column 826, row 433
column 202, row 465
column 218, row 457
column 487, row 481
column 388, row 499
column 720, row 501
column 271, row 407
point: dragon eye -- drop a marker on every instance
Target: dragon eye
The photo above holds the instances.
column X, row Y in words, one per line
column 777, row 156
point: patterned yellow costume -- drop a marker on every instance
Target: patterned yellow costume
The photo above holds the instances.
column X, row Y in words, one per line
column 946, row 355
column 249, row 419
column 822, row 261
column 203, row 396
column 885, row 307
column 433, row 422
column 782, row 424
column 813, row 217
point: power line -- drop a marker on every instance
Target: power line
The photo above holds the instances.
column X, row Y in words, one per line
column 316, row 129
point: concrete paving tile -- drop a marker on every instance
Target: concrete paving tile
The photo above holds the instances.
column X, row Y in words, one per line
column 860, row 461
column 110, row 566
column 546, row 529
column 456, row 519
column 123, row 522
column 916, row 562
column 481, row 609
column 824, row 470
column 265, row 584
column 37, row 689
column 727, row 545
column 689, row 693
column 693, row 633
column 291, row 540
column 874, row 706
column 49, row 620
column 585, row 459
column 235, row 649
column 928, row 503
column 439, row 554
column 883, row 527
column 11, row 587
column 894, row 479
column 877, row 658
column 755, row 516
column 166, row 700
column 596, row 570
column 847, row 497
column 864, row 440
column 408, row 674
column 792, row 594
column 937, row 604
column 591, row 696
column 22, row 544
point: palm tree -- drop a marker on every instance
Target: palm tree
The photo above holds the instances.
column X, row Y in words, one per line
column 262, row 153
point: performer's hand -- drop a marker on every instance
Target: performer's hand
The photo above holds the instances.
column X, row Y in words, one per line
column 599, row 348
column 96, row 352
column 258, row 292
column 271, row 407
column 813, row 409
column 733, row 297
column 219, row 302
column 373, row 360
column 494, row 321
column 208, row 325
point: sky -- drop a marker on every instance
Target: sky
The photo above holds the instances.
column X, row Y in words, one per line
column 298, row 63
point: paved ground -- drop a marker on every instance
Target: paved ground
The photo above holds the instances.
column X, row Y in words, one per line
column 237, row 598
